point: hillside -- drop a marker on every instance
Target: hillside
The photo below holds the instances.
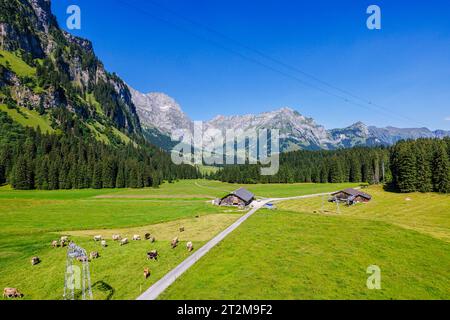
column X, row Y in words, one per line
column 65, row 122
column 46, row 70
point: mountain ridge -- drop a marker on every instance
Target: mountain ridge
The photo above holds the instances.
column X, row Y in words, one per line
column 296, row 130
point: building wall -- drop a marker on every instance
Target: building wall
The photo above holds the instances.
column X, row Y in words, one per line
column 232, row 200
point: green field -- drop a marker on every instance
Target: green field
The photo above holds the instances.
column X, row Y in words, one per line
column 289, row 253
column 30, row 220
column 299, row 254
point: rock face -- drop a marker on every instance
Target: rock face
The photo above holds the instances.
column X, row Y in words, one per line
column 159, row 111
column 296, row 130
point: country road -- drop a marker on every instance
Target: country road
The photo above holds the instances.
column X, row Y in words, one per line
column 162, row 284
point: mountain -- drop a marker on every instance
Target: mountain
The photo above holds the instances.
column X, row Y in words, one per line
column 160, row 115
column 66, row 122
column 296, row 130
column 49, row 71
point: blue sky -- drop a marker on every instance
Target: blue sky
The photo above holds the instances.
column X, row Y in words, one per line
column 403, row 69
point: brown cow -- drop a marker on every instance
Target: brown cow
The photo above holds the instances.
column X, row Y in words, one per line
column 146, row 273
column 174, row 242
column 11, row 293
column 94, row 255
column 182, row 229
column 147, row 236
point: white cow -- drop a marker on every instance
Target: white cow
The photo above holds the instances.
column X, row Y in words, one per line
column 116, row 237
column 123, row 241
column 136, row 237
column 103, row 243
column 97, row 238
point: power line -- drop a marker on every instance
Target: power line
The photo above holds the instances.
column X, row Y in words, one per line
column 277, row 61
column 255, row 61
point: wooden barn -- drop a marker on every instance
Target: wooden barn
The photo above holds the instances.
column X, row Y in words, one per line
column 351, row 196
column 241, row 198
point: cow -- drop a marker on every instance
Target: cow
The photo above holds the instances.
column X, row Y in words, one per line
column 174, row 242
column 116, row 237
column 82, row 259
column 11, row 293
column 62, row 243
column 97, row 238
column 152, row 255
column 35, row 260
column 136, row 237
column 94, row 255
column 103, row 243
column 55, row 244
column 152, row 239
column 189, row 246
column 123, row 241
column 147, row 236
column 182, row 229
column 146, row 273
column 65, row 238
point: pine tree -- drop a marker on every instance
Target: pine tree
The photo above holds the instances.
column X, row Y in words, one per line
column 406, row 170
column 336, row 174
column 441, row 174
column 20, row 178
column 53, row 175
column 355, row 170
column 120, row 179
column 424, row 176
column 97, row 182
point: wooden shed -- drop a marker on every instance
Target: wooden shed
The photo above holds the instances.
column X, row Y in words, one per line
column 241, row 197
column 351, row 196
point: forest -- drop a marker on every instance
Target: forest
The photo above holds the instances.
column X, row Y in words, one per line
column 415, row 165
column 30, row 159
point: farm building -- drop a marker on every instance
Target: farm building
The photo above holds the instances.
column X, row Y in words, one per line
column 241, row 197
column 351, row 196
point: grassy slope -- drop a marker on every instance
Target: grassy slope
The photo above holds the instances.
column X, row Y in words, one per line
column 31, row 118
column 296, row 254
column 427, row 213
column 16, row 64
column 285, row 255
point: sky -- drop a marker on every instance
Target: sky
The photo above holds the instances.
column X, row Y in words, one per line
column 318, row 57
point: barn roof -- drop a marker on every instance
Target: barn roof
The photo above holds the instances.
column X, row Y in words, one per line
column 244, row 194
column 354, row 192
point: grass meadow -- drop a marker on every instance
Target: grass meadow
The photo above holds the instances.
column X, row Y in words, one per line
column 30, row 220
column 299, row 251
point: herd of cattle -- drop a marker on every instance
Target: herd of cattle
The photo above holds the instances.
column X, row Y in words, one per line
column 64, row 241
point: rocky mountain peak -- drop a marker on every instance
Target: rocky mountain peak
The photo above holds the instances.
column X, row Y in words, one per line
column 158, row 110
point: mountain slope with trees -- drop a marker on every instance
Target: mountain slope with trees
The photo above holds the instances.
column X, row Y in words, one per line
column 93, row 137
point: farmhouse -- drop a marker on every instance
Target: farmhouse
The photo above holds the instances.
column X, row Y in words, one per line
column 351, row 196
column 241, row 197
